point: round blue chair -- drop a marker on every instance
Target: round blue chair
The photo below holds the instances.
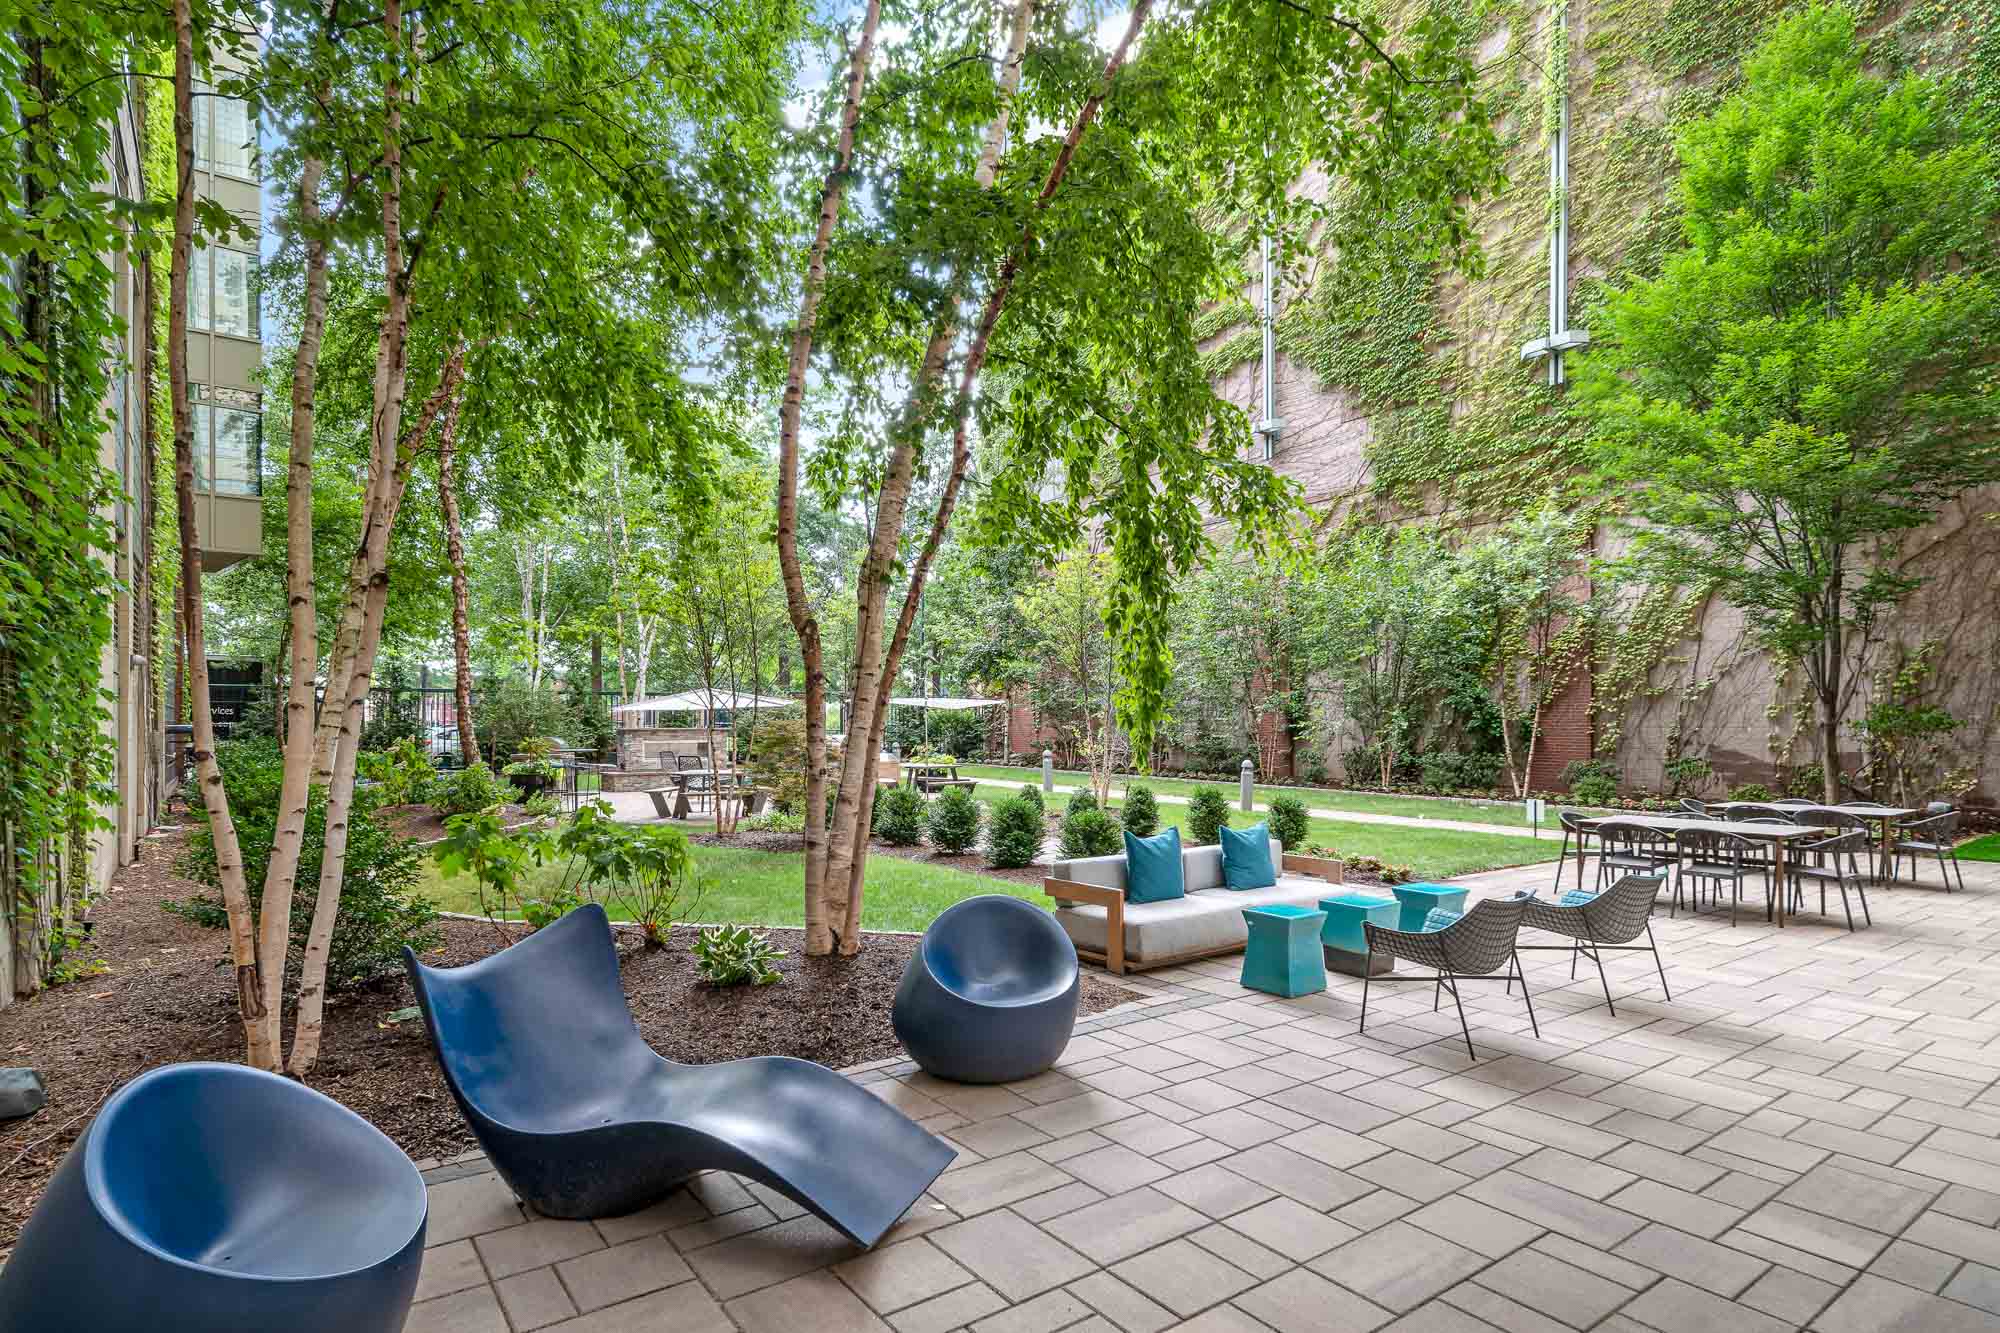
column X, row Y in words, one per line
column 990, row 995
column 214, row 1196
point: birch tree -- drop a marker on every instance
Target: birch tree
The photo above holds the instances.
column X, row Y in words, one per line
column 971, row 243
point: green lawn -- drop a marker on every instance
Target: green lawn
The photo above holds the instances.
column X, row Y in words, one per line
column 768, row 889
column 1361, row 802
column 1983, row 848
column 1433, row 854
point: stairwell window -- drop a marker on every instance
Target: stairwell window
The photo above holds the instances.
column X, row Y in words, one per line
column 228, row 441
column 222, row 292
column 225, row 134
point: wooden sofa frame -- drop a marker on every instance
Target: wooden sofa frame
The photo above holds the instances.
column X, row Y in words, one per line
column 1113, row 959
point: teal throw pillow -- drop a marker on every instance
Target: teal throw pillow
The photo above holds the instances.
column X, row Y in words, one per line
column 1153, row 868
column 1246, row 857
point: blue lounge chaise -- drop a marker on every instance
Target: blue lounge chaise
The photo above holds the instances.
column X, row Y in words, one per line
column 583, row 1119
column 214, row 1196
column 990, row 995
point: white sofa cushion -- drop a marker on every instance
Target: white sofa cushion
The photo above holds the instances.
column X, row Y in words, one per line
column 1205, row 921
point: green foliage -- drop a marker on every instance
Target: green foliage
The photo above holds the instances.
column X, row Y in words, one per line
column 1033, row 795
column 1592, row 781
column 774, row 820
column 397, row 714
column 60, row 87
column 648, row 868
column 959, row 733
column 1838, row 388
column 1749, row 791
column 1452, row 770
column 1140, row 813
column 512, row 714
column 379, row 912
column 403, row 774
column 471, row 789
column 953, row 822
column 542, row 805
column 1687, row 775
column 1207, row 815
column 735, row 956
column 1079, row 800
column 1289, row 821
column 1907, row 755
column 777, row 762
column 547, row 910
column 1088, row 831
column 900, row 815
column 1014, row 833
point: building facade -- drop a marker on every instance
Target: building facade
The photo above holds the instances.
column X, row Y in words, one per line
column 1415, row 392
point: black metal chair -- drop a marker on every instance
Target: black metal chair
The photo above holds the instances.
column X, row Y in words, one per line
column 1933, row 835
column 1573, row 826
column 1759, row 856
column 1632, row 849
column 1611, row 920
column 1472, row 948
column 1712, row 857
column 1830, row 861
column 1694, row 807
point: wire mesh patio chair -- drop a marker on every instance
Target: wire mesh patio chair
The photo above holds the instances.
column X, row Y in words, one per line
column 1594, row 922
column 1473, row 948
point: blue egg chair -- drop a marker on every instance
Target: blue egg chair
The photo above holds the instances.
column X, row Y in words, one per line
column 990, row 995
column 583, row 1119
column 213, row 1196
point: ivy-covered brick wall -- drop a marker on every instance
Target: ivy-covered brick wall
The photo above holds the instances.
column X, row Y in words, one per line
column 1403, row 391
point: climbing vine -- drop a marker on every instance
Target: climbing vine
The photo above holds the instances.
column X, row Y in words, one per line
column 60, row 67
column 1458, row 424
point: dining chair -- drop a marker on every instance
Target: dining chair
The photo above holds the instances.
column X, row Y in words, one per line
column 1715, row 858
column 1632, row 849
column 1934, row 835
column 1834, row 861
column 1843, row 820
column 1573, row 826
column 1694, row 807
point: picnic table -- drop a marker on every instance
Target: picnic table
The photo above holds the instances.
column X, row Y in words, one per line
column 1889, row 815
column 930, row 776
column 1776, row 833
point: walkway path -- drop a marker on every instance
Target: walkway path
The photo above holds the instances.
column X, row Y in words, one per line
column 1806, row 1136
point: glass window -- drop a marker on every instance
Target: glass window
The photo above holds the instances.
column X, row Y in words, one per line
column 235, row 308
column 237, row 446
column 200, row 306
column 225, row 134
column 222, row 292
column 204, row 127
column 204, row 431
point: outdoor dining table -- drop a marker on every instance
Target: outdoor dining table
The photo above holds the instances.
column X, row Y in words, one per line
column 1759, row 830
column 1889, row 815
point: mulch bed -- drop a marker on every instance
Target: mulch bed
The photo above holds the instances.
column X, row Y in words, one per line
column 168, row 997
column 423, row 823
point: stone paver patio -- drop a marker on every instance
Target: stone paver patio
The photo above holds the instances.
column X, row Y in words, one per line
column 1808, row 1135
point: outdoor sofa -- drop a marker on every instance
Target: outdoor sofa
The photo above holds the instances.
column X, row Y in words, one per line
column 1207, row 921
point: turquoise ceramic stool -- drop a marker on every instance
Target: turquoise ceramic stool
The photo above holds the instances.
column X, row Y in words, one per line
column 1419, row 899
column 1344, row 941
column 1282, row 955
